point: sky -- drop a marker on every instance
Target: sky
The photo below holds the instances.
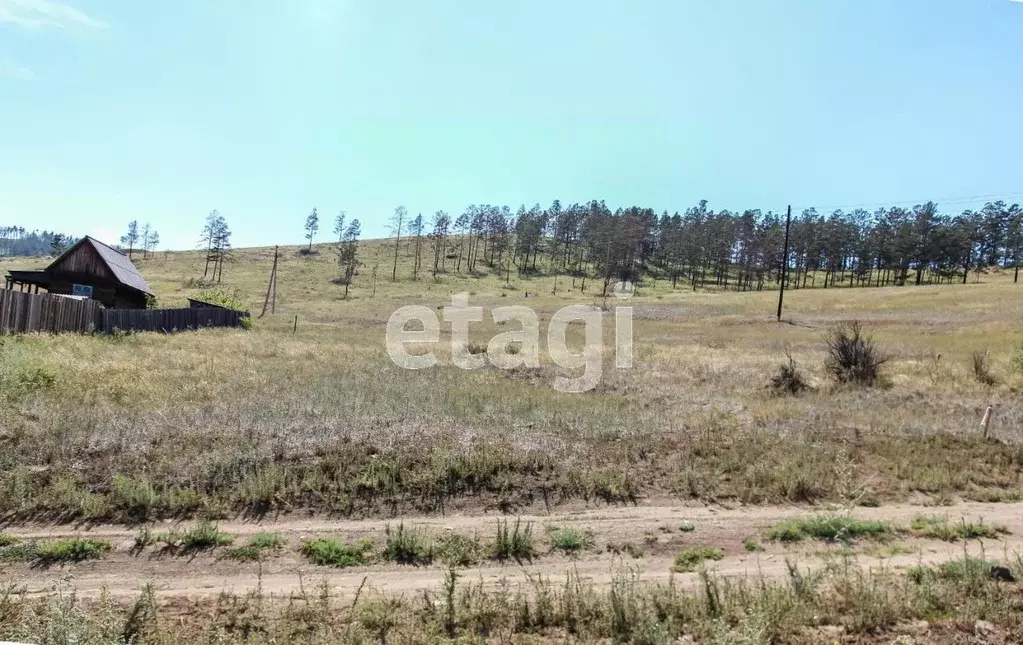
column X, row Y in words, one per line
column 160, row 110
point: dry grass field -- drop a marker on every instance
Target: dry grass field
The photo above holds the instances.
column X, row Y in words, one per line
column 267, row 428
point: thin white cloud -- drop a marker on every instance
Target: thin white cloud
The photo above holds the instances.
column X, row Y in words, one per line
column 37, row 14
column 10, row 70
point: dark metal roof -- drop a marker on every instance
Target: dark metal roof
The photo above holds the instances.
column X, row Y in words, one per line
column 118, row 263
column 121, row 266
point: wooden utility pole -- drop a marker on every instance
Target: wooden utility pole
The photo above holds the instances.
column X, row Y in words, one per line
column 271, row 287
column 784, row 262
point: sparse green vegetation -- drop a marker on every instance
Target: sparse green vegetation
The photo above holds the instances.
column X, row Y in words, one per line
column 751, row 545
column 46, row 552
column 690, row 559
column 867, row 605
column 204, row 535
column 885, row 551
column 457, row 550
column 687, row 527
column 407, row 546
column 842, row 528
column 570, row 540
column 7, row 540
column 624, row 548
column 958, row 571
column 940, row 528
column 257, row 547
column 332, row 552
column 513, row 542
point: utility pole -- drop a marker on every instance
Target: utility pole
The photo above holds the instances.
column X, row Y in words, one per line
column 784, row 262
column 272, row 286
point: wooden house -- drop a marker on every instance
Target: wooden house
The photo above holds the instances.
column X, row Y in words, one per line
column 92, row 269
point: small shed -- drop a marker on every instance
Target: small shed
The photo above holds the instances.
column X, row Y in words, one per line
column 90, row 269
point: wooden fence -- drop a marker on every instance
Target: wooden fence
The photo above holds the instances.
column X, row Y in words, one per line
column 168, row 320
column 22, row 312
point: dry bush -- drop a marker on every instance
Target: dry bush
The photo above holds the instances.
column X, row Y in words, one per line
column 789, row 380
column 853, row 357
column 982, row 368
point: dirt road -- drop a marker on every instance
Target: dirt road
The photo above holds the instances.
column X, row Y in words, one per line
column 652, row 530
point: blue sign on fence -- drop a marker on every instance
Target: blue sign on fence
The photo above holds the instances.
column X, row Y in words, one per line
column 81, row 290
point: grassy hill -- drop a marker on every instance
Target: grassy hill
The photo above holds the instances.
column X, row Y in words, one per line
column 150, row 425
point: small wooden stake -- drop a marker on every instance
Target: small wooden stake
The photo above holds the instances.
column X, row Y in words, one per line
column 986, row 422
column 294, row 329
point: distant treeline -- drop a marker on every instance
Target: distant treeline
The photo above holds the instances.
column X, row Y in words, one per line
column 16, row 241
column 726, row 249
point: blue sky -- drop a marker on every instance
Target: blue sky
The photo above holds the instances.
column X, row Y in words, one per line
column 163, row 110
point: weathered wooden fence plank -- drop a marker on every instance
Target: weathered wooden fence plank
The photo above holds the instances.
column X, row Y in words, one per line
column 26, row 313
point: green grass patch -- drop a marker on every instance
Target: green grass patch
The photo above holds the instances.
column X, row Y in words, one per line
column 570, row 540
column 204, row 536
column 690, row 559
column 56, row 551
column 687, row 527
column 752, row 545
column 959, row 571
column 332, row 552
column 941, row 529
column 257, row 547
column 7, row 540
column 840, row 528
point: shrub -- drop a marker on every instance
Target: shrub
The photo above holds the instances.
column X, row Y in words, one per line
column 852, row 355
column 476, row 347
column 7, row 540
column 407, row 546
column 982, row 368
column 689, row 559
column 687, row 527
column 789, row 380
column 204, row 535
column 458, row 550
column 134, row 498
column 752, row 545
column 571, row 540
column 230, row 299
column 143, row 538
column 513, row 543
column 332, row 552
